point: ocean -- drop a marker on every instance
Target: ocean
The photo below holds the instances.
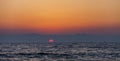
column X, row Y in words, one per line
column 69, row 51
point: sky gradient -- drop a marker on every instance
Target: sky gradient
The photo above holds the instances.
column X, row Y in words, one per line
column 60, row 16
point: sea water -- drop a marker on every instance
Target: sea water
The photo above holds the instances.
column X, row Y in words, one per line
column 82, row 51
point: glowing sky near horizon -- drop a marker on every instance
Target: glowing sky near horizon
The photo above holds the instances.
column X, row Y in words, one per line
column 60, row 16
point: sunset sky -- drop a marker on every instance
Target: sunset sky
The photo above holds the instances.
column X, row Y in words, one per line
column 60, row 16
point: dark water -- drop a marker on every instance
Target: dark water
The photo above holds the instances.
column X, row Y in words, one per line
column 89, row 51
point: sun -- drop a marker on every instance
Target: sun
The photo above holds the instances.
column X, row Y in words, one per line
column 51, row 41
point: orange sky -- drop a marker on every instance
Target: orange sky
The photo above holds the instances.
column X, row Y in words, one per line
column 60, row 16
